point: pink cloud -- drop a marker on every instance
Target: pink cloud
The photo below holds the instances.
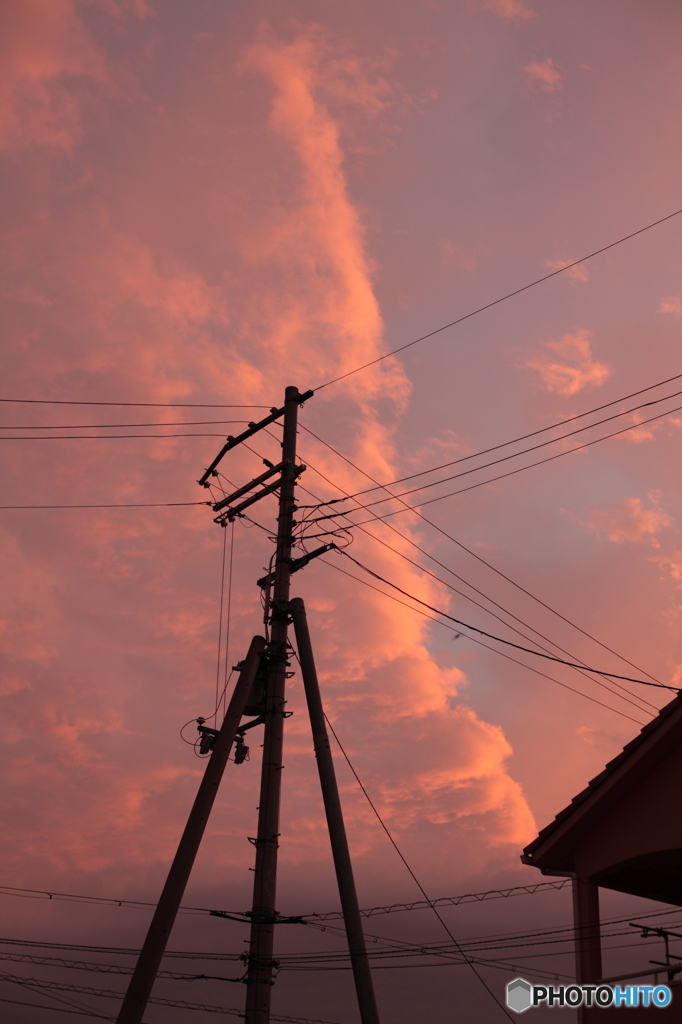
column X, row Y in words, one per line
column 543, row 75
column 298, row 300
column 576, row 371
column 630, row 521
column 43, row 44
column 510, row 10
column 577, row 273
column 671, row 304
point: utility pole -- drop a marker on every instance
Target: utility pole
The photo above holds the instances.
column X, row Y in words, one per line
column 263, row 913
column 266, row 660
column 146, row 969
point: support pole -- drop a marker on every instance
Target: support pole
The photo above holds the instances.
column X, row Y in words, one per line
column 263, row 914
column 337, row 832
column 144, row 975
column 588, row 966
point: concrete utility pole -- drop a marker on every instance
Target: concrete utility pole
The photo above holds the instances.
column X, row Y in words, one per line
column 337, row 831
column 263, row 913
column 269, row 707
column 146, row 969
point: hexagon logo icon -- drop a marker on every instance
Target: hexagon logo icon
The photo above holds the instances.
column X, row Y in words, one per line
column 518, row 995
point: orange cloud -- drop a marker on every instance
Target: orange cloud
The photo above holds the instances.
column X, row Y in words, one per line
column 671, row 304
column 577, row 273
column 577, row 371
column 301, row 309
column 630, row 521
column 43, row 43
column 510, row 10
column 543, row 75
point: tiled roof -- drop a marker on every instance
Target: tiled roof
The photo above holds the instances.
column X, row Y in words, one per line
column 604, row 776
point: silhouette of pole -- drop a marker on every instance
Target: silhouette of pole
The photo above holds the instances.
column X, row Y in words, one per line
column 263, row 914
column 337, row 831
column 151, row 954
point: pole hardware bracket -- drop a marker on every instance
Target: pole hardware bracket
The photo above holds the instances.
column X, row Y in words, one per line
column 230, row 514
column 253, row 428
column 296, row 563
column 249, row 725
column 208, row 736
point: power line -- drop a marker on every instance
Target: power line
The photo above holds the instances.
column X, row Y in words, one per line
column 523, row 437
column 36, row 983
column 135, row 405
column 496, row 302
column 474, row 639
column 505, row 458
column 84, row 426
column 466, row 583
column 100, row 437
column 58, row 1009
column 483, row 561
column 528, row 668
column 147, row 504
column 510, row 643
column 454, row 901
column 449, row 901
column 411, row 872
column 89, row 965
column 503, row 476
column 79, row 947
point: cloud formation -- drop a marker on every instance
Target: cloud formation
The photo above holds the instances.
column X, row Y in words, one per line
column 102, row 307
column 44, row 46
column 577, row 273
column 575, row 369
column 543, row 75
column 510, row 10
column 671, row 304
column 631, row 521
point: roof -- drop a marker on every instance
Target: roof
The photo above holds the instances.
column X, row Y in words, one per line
column 553, row 849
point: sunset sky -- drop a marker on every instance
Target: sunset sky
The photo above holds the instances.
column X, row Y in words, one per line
column 206, row 201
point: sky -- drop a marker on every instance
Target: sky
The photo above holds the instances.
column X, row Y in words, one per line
column 205, row 202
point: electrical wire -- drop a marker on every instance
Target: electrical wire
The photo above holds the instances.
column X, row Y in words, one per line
column 58, row 1009
column 528, row 668
column 220, row 624
column 37, row 984
column 510, row 643
column 144, row 504
column 454, row 901
column 411, row 872
column 88, row 965
column 135, row 405
column 514, row 455
column 474, row 639
column 488, row 565
column 226, row 677
column 448, row 901
column 502, row 476
column 88, row 426
column 522, row 469
column 524, row 437
column 496, row 302
column 467, row 597
column 99, row 437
